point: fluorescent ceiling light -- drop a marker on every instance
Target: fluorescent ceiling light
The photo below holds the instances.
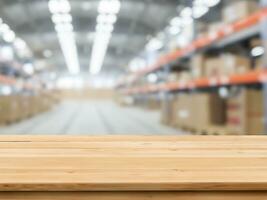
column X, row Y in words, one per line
column 61, row 18
column 199, row 11
column 257, row 51
column 176, row 21
column 20, row 44
column 109, row 6
column 59, row 6
column 107, row 17
column 104, row 18
column 186, row 12
column 154, row 45
column 174, row 30
column 4, row 28
column 28, row 68
column 152, row 78
column 9, row 36
column 212, row 3
column 64, row 27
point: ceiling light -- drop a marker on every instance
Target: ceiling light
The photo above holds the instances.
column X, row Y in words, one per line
column 28, row 68
column 186, row 12
column 152, row 78
column 20, row 44
column 137, row 64
column 4, row 28
column 104, row 18
column 9, row 36
column 174, row 30
column 176, row 21
column 257, row 51
column 61, row 18
column 154, row 45
column 199, row 11
column 105, row 28
column 109, row 6
column 59, row 6
column 64, row 28
column 212, row 3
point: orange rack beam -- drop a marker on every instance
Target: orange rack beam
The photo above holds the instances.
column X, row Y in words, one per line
column 202, row 42
column 247, row 78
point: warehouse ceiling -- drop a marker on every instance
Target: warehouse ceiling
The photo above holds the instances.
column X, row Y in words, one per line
column 138, row 20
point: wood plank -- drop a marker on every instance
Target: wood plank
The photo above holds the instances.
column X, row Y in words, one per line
column 57, row 163
column 133, row 196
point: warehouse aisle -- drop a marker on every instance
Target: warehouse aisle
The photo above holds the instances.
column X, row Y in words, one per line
column 92, row 117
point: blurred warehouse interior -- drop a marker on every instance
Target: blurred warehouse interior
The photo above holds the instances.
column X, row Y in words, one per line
column 133, row 66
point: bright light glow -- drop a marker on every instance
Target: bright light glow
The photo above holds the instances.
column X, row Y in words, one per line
column 59, row 6
column 7, row 53
column 154, row 45
column 223, row 92
column 28, row 68
column 70, row 83
column 176, row 21
column 173, row 30
column 199, row 11
column 20, row 44
column 187, row 21
column 212, row 3
column 6, row 90
column 109, row 6
column 137, row 64
column 186, row 12
column 152, row 78
column 107, row 10
column 9, row 36
column 62, row 19
column 4, row 28
column 106, row 19
column 257, row 51
column 61, row 28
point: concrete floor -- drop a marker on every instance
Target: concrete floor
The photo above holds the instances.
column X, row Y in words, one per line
column 92, row 118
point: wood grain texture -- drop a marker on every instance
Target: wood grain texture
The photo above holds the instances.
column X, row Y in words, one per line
column 124, row 163
column 134, row 196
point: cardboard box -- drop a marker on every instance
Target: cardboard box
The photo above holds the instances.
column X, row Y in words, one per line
column 214, row 67
column 234, row 64
column 238, row 10
column 8, row 109
column 168, row 108
column 184, row 111
column 197, row 66
column 245, row 112
column 209, row 110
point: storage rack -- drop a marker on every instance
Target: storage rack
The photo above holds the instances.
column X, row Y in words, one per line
column 255, row 24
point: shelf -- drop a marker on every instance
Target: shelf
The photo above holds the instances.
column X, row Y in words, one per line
column 226, row 35
column 244, row 79
column 7, row 80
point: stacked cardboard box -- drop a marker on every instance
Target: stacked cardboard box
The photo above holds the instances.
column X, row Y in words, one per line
column 197, row 66
column 239, row 9
column 8, row 109
column 184, row 111
column 245, row 112
column 226, row 65
column 168, row 108
column 209, row 110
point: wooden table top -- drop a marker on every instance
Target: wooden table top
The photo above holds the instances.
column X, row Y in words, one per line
column 137, row 163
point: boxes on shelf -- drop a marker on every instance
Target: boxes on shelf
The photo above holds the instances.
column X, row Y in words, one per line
column 234, row 64
column 184, row 111
column 8, row 109
column 214, row 27
column 209, row 110
column 240, row 9
column 245, row 112
column 197, row 65
column 214, row 67
column 168, row 108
